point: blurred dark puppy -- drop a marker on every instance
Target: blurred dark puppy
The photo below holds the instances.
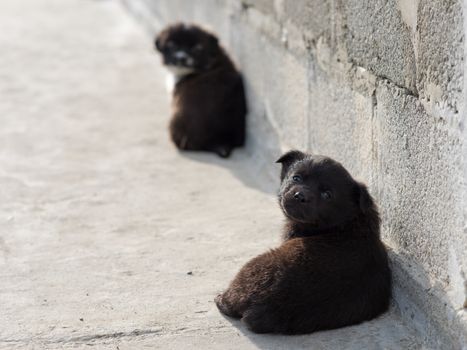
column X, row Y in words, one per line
column 208, row 101
column 331, row 270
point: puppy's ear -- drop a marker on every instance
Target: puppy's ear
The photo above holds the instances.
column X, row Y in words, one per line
column 162, row 38
column 158, row 43
column 214, row 40
column 289, row 158
column 364, row 200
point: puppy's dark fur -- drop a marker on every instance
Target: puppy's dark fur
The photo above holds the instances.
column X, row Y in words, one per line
column 331, row 270
column 209, row 105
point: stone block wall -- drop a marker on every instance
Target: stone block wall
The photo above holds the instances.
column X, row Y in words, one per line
column 379, row 85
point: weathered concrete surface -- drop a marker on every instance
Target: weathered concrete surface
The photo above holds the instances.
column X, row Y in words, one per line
column 110, row 238
column 379, row 85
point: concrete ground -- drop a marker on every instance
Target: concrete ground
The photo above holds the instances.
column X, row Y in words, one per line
column 109, row 237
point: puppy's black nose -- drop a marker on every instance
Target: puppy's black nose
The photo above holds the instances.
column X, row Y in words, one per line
column 299, row 196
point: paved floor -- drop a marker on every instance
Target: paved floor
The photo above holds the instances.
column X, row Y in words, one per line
column 109, row 237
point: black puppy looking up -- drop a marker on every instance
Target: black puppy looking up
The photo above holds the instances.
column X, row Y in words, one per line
column 331, row 270
column 208, row 104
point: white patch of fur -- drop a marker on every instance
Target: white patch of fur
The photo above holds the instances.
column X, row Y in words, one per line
column 179, row 71
column 175, row 74
column 180, row 54
column 170, row 82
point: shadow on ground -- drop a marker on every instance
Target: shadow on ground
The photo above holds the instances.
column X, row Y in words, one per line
column 273, row 341
column 241, row 165
column 379, row 333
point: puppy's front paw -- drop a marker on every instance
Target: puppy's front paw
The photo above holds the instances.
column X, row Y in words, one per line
column 223, row 151
column 223, row 308
column 181, row 141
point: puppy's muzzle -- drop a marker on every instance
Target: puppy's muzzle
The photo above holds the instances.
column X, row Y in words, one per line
column 300, row 197
column 181, row 58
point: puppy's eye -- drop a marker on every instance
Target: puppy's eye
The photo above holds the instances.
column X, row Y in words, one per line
column 170, row 45
column 296, row 178
column 326, row 195
column 197, row 48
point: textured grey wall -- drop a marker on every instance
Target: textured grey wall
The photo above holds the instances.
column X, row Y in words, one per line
column 378, row 85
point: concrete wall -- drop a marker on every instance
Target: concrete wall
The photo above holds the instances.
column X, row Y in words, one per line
column 378, row 85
